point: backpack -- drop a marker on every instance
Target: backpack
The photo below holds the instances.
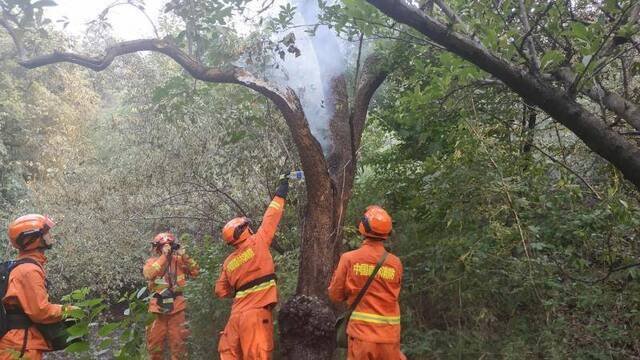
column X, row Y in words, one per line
column 5, row 270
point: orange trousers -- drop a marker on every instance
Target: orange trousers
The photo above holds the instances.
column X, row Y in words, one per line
column 28, row 355
column 247, row 336
column 364, row 350
column 172, row 328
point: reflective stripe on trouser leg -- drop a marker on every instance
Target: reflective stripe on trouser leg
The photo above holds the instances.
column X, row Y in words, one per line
column 375, row 318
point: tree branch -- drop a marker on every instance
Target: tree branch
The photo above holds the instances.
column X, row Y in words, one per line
column 595, row 193
column 285, row 99
column 374, row 72
column 534, row 62
column 448, row 11
column 622, row 107
column 15, row 36
column 622, row 153
column 536, row 23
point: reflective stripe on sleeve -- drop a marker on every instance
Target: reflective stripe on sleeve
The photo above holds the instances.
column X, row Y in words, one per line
column 375, row 318
column 275, row 205
column 259, row 287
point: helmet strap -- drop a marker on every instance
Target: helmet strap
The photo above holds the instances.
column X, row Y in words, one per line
column 240, row 230
column 28, row 237
column 370, row 232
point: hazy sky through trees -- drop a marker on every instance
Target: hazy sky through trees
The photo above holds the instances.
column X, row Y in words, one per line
column 128, row 23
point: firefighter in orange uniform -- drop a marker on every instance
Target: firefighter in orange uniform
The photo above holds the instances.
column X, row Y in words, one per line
column 167, row 273
column 27, row 300
column 248, row 275
column 374, row 327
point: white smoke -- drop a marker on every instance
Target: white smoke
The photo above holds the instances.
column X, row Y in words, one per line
column 310, row 75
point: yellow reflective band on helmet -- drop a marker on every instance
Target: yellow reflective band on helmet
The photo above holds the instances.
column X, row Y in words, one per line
column 374, row 318
column 156, row 266
column 275, row 205
column 259, row 287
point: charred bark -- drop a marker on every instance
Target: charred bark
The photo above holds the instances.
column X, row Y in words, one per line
column 307, row 319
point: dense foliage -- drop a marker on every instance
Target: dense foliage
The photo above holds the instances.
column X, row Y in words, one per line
column 517, row 240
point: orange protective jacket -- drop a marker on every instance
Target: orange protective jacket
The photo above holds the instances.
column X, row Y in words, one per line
column 163, row 274
column 377, row 316
column 249, row 261
column 27, row 290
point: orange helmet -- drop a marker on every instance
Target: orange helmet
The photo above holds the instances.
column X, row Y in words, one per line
column 26, row 230
column 375, row 223
column 163, row 238
column 236, row 230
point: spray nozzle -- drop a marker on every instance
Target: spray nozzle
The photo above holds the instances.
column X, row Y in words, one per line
column 296, row 175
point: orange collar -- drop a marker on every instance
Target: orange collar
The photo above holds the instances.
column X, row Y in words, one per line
column 36, row 255
column 372, row 242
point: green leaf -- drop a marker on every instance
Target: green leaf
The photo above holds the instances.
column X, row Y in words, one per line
column 551, row 59
column 627, row 30
column 624, row 203
column 108, row 329
column 89, row 303
column 78, row 330
column 105, row 344
column 611, row 6
column 77, row 347
column 141, row 292
column 580, row 31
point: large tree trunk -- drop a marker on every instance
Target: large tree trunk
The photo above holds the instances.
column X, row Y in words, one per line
column 306, row 321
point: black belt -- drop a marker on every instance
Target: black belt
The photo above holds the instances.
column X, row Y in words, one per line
column 175, row 295
column 258, row 281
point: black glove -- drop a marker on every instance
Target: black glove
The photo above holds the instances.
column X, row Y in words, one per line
column 283, row 186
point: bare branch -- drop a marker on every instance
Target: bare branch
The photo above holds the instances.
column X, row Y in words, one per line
column 535, row 24
column 128, row 2
column 534, row 61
